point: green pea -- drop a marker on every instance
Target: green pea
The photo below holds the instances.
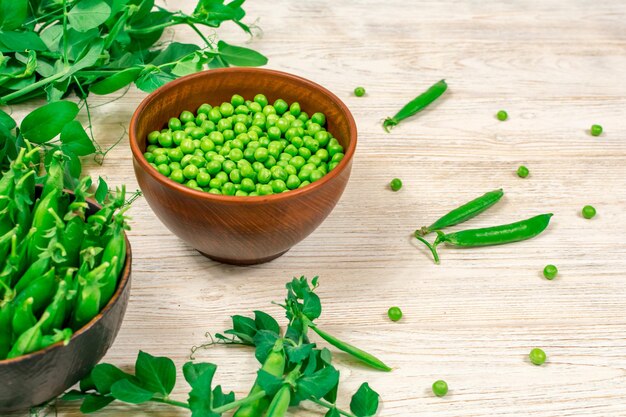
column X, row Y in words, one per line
column 203, row 179
column 217, row 138
column 269, row 109
column 537, row 356
column 240, row 128
column 314, row 129
column 322, row 137
column 271, row 120
column 293, row 182
column 214, row 190
column 187, row 147
column 228, row 166
column 161, row 159
column 149, row 156
column 247, row 185
column 291, row 150
column 235, row 176
column 596, row 130
column 359, row 91
column 311, row 144
column 278, row 186
column 228, row 188
column 261, row 154
column 304, row 184
column 502, row 115
column 281, row 106
column 176, row 154
column 186, row 160
column 265, row 189
column 214, row 115
column 588, row 212
column 198, row 161
column 334, row 148
column 254, row 107
column 257, row 166
column 394, row 313
column 283, row 125
column 177, row 175
column 215, row 183
column 290, row 169
column 279, row 174
column 237, row 100
column 178, row 137
column 304, row 116
column 395, row 184
column 440, row 388
column 174, row 124
column 164, row 169
column 332, row 165
column 204, row 108
column 190, row 171
column 227, row 110
column 305, row 174
column 241, row 193
column 152, row 148
column 522, row 171
column 297, row 161
column 304, row 152
column 294, row 109
column 264, row 176
column 261, row 99
column 229, row 134
column 175, row 165
column 186, row 116
column 338, row 157
column 319, row 118
column 322, row 154
column 316, row 175
column 207, row 145
column 550, row 271
column 165, row 139
column 153, row 137
column 298, row 142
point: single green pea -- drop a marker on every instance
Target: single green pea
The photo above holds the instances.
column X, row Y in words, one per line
column 278, row 186
column 283, row 125
column 440, row 388
column 149, row 156
column 164, row 169
column 261, row 154
column 204, row 108
column 235, row 176
column 161, row 159
column 522, row 171
column 224, row 124
column 319, row 118
column 186, row 160
column 502, row 115
column 298, row 142
column 228, row 166
column 203, row 179
column 304, row 152
column 152, row 148
column 228, row 188
column 237, row 100
column 254, row 107
column 240, row 128
column 537, row 356
column 241, row 193
column 281, row 106
column 293, row 182
column 190, row 171
column 174, row 124
column 226, row 109
column 304, row 116
column 269, row 109
column 261, row 99
column 215, row 183
column 176, row 154
column 153, row 137
column 588, row 212
column 394, row 313
column 316, row 175
column 359, row 91
column 596, row 130
column 214, row 190
column 165, row 140
column 294, row 109
column 187, row 146
column 177, row 175
column 201, row 118
column 304, row 184
column 264, row 176
column 550, row 272
column 395, row 184
column 322, row 137
column 248, row 185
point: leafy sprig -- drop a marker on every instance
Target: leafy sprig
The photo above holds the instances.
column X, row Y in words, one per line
column 305, row 373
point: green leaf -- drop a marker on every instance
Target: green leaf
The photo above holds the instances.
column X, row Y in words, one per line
column 51, row 37
column 318, row 384
column 87, row 384
column 46, row 122
column 126, row 391
column 244, row 325
column 193, row 371
column 240, row 56
column 312, row 306
column 264, row 341
column 91, row 56
column 190, row 65
column 74, row 395
column 88, row 14
column 116, row 81
column 201, row 395
column 94, row 402
column 268, row 382
column 73, row 169
column 220, row 398
column 75, row 139
column 12, row 13
column 297, row 354
column 6, row 121
column 264, row 321
column 174, row 52
column 332, row 413
column 365, row 402
column 102, row 191
column 156, row 374
column 104, row 375
column 79, row 42
column 152, row 80
column 20, row 42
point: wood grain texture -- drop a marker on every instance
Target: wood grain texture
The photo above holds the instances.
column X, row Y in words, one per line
column 556, row 67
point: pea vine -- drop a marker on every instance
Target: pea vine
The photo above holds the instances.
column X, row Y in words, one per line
column 53, row 48
column 294, row 369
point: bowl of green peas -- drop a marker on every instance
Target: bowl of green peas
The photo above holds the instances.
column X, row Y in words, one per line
column 242, row 163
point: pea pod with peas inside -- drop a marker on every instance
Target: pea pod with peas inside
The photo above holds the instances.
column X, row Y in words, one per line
column 417, row 104
column 488, row 236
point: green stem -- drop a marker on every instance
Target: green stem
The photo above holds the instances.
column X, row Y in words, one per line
column 65, row 37
column 171, row 402
column 329, row 405
column 151, row 29
column 239, row 403
column 32, row 87
column 200, row 34
column 433, row 248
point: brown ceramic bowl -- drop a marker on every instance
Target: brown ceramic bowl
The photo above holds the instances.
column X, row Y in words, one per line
column 40, row 376
column 240, row 230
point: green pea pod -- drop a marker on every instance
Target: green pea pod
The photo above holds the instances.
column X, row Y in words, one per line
column 109, row 282
column 58, row 336
column 72, row 240
column 363, row 356
column 280, row 403
column 488, row 236
column 57, row 309
column 44, row 219
column 34, row 271
column 29, row 341
column 42, row 291
column 56, row 170
column 6, row 241
column 6, row 328
column 274, row 365
column 88, row 296
column 23, row 317
column 417, row 104
column 464, row 212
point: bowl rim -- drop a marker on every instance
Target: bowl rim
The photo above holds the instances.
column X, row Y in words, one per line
column 121, row 286
column 165, row 181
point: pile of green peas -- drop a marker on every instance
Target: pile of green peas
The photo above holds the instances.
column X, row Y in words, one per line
column 245, row 148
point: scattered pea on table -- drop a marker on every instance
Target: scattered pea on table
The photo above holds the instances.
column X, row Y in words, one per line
column 588, row 212
column 550, row 272
column 502, row 115
column 394, row 313
column 359, row 91
column 440, row 388
column 537, row 356
column 522, row 171
column 395, row 184
column 596, row 130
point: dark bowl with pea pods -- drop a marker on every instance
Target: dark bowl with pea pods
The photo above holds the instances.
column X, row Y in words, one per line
column 232, row 229
column 38, row 377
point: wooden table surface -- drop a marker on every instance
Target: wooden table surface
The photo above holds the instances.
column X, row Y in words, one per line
column 556, row 67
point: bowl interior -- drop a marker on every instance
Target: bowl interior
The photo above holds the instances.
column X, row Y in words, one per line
column 218, row 85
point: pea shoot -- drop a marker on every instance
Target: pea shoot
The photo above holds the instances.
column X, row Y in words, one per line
column 537, row 356
column 502, row 115
column 359, row 91
column 550, row 272
column 522, row 171
column 394, row 313
column 596, row 130
column 588, row 212
column 395, row 184
column 440, row 388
